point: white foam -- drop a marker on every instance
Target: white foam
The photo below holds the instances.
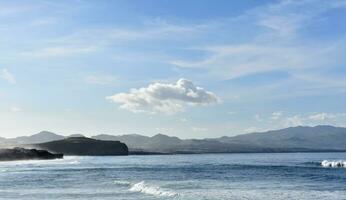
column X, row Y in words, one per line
column 72, row 160
column 151, row 190
column 333, row 163
column 122, row 183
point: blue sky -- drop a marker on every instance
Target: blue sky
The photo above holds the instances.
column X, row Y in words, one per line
column 192, row 69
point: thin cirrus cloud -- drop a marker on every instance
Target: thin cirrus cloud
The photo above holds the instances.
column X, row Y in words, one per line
column 15, row 109
column 314, row 119
column 59, row 51
column 100, row 79
column 8, row 76
column 166, row 98
column 276, row 115
column 281, row 120
column 86, row 41
column 199, row 129
column 279, row 45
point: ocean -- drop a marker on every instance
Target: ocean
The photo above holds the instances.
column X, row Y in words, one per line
column 205, row 176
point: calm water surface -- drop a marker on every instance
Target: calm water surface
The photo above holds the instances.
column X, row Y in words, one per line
column 209, row 176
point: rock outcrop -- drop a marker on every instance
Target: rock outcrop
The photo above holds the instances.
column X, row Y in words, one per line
column 84, row 146
column 26, row 154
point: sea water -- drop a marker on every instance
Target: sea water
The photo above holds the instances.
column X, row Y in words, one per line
column 205, row 176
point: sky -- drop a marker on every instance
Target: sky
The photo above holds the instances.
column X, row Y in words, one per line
column 192, row 69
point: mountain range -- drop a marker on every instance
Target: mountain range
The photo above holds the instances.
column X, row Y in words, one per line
column 293, row 139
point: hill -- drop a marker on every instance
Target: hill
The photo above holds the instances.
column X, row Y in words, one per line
column 318, row 137
column 43, row 136
column 293, row 139
column 84, row 146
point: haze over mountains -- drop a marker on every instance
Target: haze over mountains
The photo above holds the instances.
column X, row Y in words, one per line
column 318, row 138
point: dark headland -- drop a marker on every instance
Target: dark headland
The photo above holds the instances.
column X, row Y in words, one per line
column 83, row 146
column 26, row 154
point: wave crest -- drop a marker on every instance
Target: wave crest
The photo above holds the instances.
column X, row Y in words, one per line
column 151, row 190
column 333, row 163
column 122, row 183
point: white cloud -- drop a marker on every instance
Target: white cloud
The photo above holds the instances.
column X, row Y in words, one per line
column 184, row 120
column 164, row 98
column 199, row 129
column 258, row 117
column 8, row 76
column 232, row 61
column 59, row 51
column 15, row 109
column 12, row 10
column 276, row 115
column 294, row 121
column 164, row 130
column 321, row 116
column 153, row 30
column 251, row 130
column 278, row 45
column 85, row 41
column 315, row 119
column 100, row 79
column 43, row 21
column 231, row 112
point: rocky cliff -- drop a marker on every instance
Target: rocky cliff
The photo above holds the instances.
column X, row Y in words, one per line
column 85, row 146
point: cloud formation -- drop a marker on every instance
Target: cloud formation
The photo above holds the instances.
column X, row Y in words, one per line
column 59, row 51
column 15, row 109
column 336, row 119
column 276, row 115
column 8, row 76
column 164, row 98
column 279, row 45
column 321, row 116
column 100, row 79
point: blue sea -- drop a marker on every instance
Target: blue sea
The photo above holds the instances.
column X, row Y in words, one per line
column 206, row 176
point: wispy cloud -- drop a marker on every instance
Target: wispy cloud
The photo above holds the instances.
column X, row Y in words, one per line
column 231, row 112
column 100, row 79
column 276, row 115
column 43, row 21
column 251, row 130
column 199, row 129
column 15, row 109
column 59, row 51
column 293, row 121
column 322, row 116
column 258, row 117
column 83, row 41
column 279, row 45
column 156, row 30
column 8, row 10
column 315, row 119
column 8, row 76
column 278, row 120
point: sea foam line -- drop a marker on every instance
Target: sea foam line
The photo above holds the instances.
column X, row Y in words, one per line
column 122, row 183
column 151, row 190
column 333, row 163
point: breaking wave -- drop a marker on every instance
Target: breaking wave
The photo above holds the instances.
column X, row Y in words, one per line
column 151, row 190
column 122, row 183
column 333, row 163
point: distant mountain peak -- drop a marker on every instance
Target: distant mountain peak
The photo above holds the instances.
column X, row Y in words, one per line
column 45, row 133
column 160, row 135
column 43, row 136
column 76, row 135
